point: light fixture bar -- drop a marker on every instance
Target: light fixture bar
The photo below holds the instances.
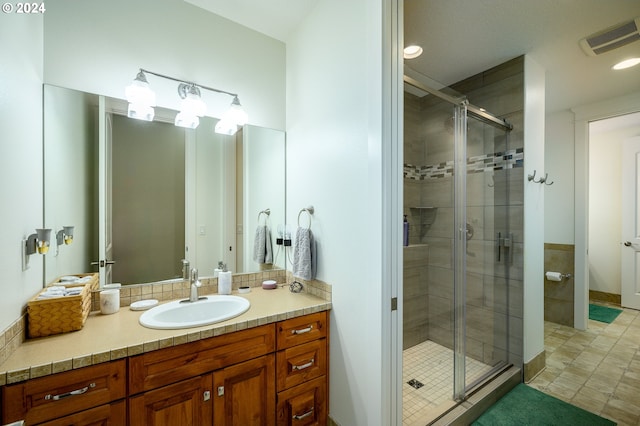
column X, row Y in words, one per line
column 189, row 83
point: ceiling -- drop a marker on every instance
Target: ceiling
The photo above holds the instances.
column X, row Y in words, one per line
column 461, row 38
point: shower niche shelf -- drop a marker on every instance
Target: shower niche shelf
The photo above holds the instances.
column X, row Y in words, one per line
column 423, row 217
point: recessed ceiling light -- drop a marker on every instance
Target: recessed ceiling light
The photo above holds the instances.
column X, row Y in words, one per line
column 628, row 63
column 413, row 51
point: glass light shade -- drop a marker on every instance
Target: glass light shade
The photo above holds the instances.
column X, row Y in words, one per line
column 190, row 121
column 140, row 112
column 226, row 127
column 139, row 92
column 193, row 105
column 235, row 114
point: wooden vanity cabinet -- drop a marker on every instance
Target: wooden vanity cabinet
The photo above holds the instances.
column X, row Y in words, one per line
column 89, row 395
column 302, row 365
column 262, row 376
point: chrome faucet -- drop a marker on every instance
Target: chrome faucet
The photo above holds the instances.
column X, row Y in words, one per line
column 195, row 283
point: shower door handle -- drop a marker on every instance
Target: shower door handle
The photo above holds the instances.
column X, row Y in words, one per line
column 507, row 244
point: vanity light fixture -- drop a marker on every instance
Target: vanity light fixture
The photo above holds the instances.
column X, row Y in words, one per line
column 38, row 242
column 628, row 63
column 142, row 100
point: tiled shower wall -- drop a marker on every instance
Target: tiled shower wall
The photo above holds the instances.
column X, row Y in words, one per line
column 494, row 185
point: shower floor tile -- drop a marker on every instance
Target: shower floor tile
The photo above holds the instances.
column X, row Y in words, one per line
column 431, row 365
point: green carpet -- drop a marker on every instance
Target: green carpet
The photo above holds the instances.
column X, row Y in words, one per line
column 603, row 314
column 526, row 406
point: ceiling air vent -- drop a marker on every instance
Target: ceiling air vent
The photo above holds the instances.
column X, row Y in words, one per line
column 611, row 38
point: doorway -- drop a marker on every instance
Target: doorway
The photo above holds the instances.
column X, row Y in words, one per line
column 608, row 139
column 583, row 117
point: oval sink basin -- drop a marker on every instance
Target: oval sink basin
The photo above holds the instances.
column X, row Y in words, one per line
column 185, row 314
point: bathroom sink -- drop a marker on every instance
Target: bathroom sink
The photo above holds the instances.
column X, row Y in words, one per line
column 185, row 314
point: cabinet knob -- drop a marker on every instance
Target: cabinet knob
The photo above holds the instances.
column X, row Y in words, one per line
column 220, row 390
column 206, row 396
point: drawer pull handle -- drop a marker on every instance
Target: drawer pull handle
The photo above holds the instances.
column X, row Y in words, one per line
column 74, row 392
column 303, row 416
column 303, row 366
column 302, row 330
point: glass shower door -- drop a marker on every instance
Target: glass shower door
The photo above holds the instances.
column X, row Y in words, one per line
column 488, row 251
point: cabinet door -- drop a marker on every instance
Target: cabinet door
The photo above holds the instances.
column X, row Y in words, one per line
column 184, row 403
column 304, row 405
column 114, row 414
column 245, row 393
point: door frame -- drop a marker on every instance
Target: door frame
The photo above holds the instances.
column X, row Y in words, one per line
column 628, row 289
column 583, row 115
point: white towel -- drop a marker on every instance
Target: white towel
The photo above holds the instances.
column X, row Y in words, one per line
column 304, row 255
column 262, row 250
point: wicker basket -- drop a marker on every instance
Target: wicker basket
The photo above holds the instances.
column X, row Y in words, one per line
column 60, row 314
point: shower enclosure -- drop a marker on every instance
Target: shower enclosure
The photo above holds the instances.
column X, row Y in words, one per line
column 463, row 264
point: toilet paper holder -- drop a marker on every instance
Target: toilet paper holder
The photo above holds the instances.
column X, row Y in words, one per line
column 557, row 276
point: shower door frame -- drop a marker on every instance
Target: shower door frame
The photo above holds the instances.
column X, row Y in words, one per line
column 462, row 108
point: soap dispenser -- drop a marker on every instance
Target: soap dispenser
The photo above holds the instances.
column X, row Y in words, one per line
column 224, row 280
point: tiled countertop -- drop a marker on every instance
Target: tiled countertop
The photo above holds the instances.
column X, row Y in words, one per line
column 110, row 337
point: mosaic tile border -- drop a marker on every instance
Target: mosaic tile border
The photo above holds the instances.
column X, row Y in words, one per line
column 476, row 164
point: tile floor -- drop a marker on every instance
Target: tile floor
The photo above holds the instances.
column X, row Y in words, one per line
column 597, row 369
column 431, row 365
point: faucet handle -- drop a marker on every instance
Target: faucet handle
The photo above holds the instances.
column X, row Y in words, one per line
column 194, row 275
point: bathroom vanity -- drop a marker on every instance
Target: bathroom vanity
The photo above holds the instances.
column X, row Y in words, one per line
column 272, row 369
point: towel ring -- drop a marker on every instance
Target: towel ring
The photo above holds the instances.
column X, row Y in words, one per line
column 266, row 212
column 309, row 211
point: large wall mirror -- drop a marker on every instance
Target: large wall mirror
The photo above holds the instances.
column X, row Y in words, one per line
column 145, row 195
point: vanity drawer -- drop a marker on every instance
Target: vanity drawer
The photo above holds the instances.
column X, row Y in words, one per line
column 165, row 366
column 51, row 397
column 301, row 363
column 303, row 405
column 296, row 331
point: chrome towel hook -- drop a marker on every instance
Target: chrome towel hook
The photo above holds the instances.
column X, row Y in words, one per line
column 532, row 178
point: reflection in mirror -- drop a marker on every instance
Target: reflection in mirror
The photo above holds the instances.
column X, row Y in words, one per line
column 208, row 188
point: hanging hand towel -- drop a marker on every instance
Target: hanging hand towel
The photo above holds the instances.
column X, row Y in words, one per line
column 262, row 251
column 304, row 255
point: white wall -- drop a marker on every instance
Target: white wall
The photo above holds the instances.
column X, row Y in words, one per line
column 333, row 163
column 21, row 149
column 98, row 47
column 559, row 164
column 605, row 203
column 533, row 318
